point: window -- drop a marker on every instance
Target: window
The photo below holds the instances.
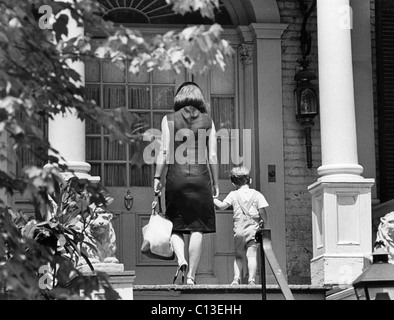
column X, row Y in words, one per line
column 149, row 97
column 155, row 12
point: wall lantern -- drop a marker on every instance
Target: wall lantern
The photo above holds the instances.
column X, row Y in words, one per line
column 377, row 281
column 307, row 104
column 306, row 93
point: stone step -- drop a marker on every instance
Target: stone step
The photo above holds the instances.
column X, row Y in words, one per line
column 224, row 292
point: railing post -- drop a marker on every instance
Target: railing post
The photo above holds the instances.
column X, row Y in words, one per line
column 258, row 239
column 263, row 236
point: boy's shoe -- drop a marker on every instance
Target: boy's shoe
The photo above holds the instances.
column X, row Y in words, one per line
column 236, row 281
column 251, row 283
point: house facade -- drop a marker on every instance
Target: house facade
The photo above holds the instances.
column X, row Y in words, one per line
column 321, row 217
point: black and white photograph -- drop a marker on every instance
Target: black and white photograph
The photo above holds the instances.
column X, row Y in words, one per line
column 197, row 157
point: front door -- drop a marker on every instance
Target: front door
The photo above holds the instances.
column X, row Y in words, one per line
column 123, row 171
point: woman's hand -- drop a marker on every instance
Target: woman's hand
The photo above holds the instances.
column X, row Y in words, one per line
column 157, row 186
column 215, row 191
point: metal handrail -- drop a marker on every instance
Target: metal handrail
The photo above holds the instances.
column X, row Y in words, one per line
column 263, row 236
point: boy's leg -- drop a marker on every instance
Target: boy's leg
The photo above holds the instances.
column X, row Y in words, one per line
column 238, row 264
column 251, row 255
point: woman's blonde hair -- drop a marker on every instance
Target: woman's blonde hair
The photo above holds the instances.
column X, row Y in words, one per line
column 190, row 94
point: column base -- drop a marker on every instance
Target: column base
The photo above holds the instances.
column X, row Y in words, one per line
column 340, row 172
column 121, row 282
column 336, row 269
column 79, row 169
column 342, row 229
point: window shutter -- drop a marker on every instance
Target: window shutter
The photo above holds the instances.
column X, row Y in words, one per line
column 385, row 85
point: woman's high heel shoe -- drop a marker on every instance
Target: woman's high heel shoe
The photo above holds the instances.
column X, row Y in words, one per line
column 181, row 270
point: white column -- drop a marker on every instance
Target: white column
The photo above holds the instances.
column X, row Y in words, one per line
column 337, row 108
column 341, row 199
column 66, row 132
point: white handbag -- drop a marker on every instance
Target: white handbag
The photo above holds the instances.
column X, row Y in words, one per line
column 157, row 235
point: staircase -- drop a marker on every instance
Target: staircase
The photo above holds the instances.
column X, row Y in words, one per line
column 282, row 291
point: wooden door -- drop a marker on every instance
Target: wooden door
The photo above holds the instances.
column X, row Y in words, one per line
column 122, row 169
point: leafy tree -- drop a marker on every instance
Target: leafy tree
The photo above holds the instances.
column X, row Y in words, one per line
column 37, row 82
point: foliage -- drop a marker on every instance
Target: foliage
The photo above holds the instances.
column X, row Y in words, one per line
column 39, row 258
column 38, row 82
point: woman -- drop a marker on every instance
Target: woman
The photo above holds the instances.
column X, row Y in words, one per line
column 188, row 150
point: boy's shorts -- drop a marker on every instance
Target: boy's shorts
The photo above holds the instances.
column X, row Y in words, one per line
column 245, row 232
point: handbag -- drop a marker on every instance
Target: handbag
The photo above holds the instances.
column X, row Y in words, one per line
column 156, row 234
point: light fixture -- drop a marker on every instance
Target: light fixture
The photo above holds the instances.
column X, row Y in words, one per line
column 306, row 95
column 377, row 281
column 306, row 103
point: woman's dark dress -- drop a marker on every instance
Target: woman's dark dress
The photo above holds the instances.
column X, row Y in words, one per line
column 188, row 193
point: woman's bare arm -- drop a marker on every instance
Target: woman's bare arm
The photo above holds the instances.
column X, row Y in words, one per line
column 213, row 160
column 162, row 158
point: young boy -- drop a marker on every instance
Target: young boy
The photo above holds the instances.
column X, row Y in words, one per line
column 249, row 209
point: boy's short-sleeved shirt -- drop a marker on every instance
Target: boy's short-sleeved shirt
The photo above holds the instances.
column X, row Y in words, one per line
column 246, row 194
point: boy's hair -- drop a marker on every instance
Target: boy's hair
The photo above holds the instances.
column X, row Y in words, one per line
column 240, row 176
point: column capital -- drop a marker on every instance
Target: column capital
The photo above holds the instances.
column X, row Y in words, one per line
column 267, row 30
column 246, row 53
column 245, row 34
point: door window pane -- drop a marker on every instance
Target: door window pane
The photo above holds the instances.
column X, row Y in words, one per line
column 164, row 77
column 223, row 82
column 142, row 122
column 223, row 112
column 223, row 115
column 92, row 92
column 142, row 77
column 92, row 68
column 115, row 175
column 113, row 73
column 114, row 97
column 163, row 97
column 95, row 169
column 141, row 176
column 93, row 148
column 157, row 118
column 139, row 97
column 113, row 150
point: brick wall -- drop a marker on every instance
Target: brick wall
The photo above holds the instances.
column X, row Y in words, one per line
column 297, row 175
